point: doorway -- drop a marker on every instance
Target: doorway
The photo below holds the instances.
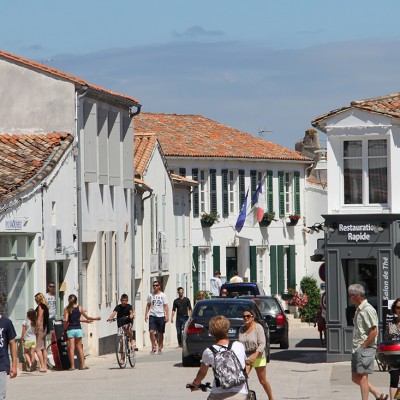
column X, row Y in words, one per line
column 364, row 272
column 55, row 273
column 231, row 262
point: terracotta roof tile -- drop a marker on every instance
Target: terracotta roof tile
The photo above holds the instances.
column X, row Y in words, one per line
column 197, row 136
column 64, row 75
column 386, row 105
column 144, row 148
column 23, row 156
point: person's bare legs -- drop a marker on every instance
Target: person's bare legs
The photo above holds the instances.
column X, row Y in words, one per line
column 71, row 352
column 41, row 361
column 79, row 348
column 365, row 386
column 44, row 355
column 28, row 357
column 153, row 339
column 262, row 378
column 160, row 341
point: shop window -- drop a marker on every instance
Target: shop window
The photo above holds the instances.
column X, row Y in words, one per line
column 363, row 272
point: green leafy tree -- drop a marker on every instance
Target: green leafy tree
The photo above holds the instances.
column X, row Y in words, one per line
column 310, row 287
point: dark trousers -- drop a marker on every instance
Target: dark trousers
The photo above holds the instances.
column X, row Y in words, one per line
column 180, row 324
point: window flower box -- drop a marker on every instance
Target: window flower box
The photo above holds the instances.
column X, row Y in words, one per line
column 209, row 219
column 267, row 219
column 293, row 219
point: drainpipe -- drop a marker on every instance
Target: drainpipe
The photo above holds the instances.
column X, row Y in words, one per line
column 78, row 125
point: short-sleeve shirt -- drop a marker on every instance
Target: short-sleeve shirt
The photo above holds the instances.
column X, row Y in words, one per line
column 181, row 306
column 29, row 331
column 365, row 318
column 7, row 333
column 123, row 312
column 215, row 285
column 51, row 301
column 157, row 302
column 235, row 279
column 208, row 359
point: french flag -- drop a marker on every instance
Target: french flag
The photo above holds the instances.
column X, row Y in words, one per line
column 258, row 202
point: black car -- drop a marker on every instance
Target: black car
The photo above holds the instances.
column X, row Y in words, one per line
column 196, row 337
column 243, row 288
column 273, row 313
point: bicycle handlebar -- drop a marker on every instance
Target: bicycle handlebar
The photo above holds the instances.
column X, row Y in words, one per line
column 120, row 319
column 203, row 387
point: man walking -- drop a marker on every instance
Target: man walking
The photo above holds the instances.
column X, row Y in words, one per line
column 364, row 342
column 157, row 314
column 51, row 302
column 7, row 339
column 216, row 283
column 183, row 309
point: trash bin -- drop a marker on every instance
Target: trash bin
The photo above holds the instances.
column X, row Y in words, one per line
column 62, row 347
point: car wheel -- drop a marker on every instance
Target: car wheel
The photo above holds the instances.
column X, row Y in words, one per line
column 188, row 361
column 284, row 344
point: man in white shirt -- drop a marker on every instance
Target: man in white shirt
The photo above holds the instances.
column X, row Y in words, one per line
column 236, row 278
column 51, row 302
column 216, row 283
column 157, row 314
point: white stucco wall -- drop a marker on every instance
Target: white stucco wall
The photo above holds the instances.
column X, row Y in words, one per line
column 34, row 102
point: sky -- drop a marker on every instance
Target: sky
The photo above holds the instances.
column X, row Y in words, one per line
column 264, row 67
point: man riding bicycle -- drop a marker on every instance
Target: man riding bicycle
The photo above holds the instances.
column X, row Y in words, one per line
column 125, row 316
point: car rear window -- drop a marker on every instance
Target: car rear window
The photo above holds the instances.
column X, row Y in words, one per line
column 229, row 310
column 267, row 306
column 241, row 291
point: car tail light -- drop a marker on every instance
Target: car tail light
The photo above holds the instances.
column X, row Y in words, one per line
column 194, row 328
column 280, row 320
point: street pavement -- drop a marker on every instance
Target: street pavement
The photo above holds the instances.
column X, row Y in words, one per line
column 300, row 372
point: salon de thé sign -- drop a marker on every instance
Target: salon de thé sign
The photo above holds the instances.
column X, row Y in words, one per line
column 358, row 233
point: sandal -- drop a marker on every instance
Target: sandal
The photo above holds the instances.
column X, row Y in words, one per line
column 82, row 368
column 383, row 397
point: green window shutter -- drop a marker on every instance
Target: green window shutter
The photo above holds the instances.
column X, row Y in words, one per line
column 195, row 177
column 273, row 269
column 242, row 189
column 216, row 258
column 292, row 267
column 213, row 190
column 281, row 269
column 253, row 183
column 297, row 193
column 195, row 269
column 253, row 263
column 281, row 184
column 225, row 204
column 270, row 191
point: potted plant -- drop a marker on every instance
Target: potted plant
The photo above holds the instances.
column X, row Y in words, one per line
column 297, row 302
column 294, row 219
column 209, row 219
column 267, row 218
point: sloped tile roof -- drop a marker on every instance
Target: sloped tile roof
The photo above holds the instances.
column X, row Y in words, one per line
column 144, row 148
column 197, row 136
column 71, row 78
column 26, row 160
column 385, row 105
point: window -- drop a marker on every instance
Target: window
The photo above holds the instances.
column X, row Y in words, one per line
column 365, row 171
column 260, row 266
column 202, row 269
column 288, row 193
column 203, row 191
column 232, row 192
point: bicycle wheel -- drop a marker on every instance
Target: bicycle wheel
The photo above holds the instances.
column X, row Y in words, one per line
column 51, row 364
column 120, row 350
column 131, row 353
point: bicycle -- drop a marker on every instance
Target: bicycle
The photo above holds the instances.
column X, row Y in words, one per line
column 124, row 350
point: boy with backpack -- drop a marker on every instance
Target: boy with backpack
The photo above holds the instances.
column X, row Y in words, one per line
column 228, row 360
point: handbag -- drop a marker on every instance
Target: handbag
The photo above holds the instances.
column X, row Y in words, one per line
column 251, row 394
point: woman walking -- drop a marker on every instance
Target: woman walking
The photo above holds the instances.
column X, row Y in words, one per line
column 73, row 329
column 42, row 312
column 252, row 335
column 392, row 332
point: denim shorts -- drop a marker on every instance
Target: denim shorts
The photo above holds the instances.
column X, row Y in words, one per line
column 74, row 333
column 362, row 361
column 157, row 324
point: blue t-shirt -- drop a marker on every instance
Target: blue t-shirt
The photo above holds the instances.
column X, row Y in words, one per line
column 7, row 333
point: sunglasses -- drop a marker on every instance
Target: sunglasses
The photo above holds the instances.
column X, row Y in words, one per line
column 245, row 316
column 52, row 286
column 155, row 285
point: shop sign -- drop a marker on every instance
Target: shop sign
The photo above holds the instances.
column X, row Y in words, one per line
column 385, row 277
column 14, row 225
column 357, row 233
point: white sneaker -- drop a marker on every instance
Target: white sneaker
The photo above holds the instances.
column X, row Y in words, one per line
column 160, row 352
column 153, row 351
